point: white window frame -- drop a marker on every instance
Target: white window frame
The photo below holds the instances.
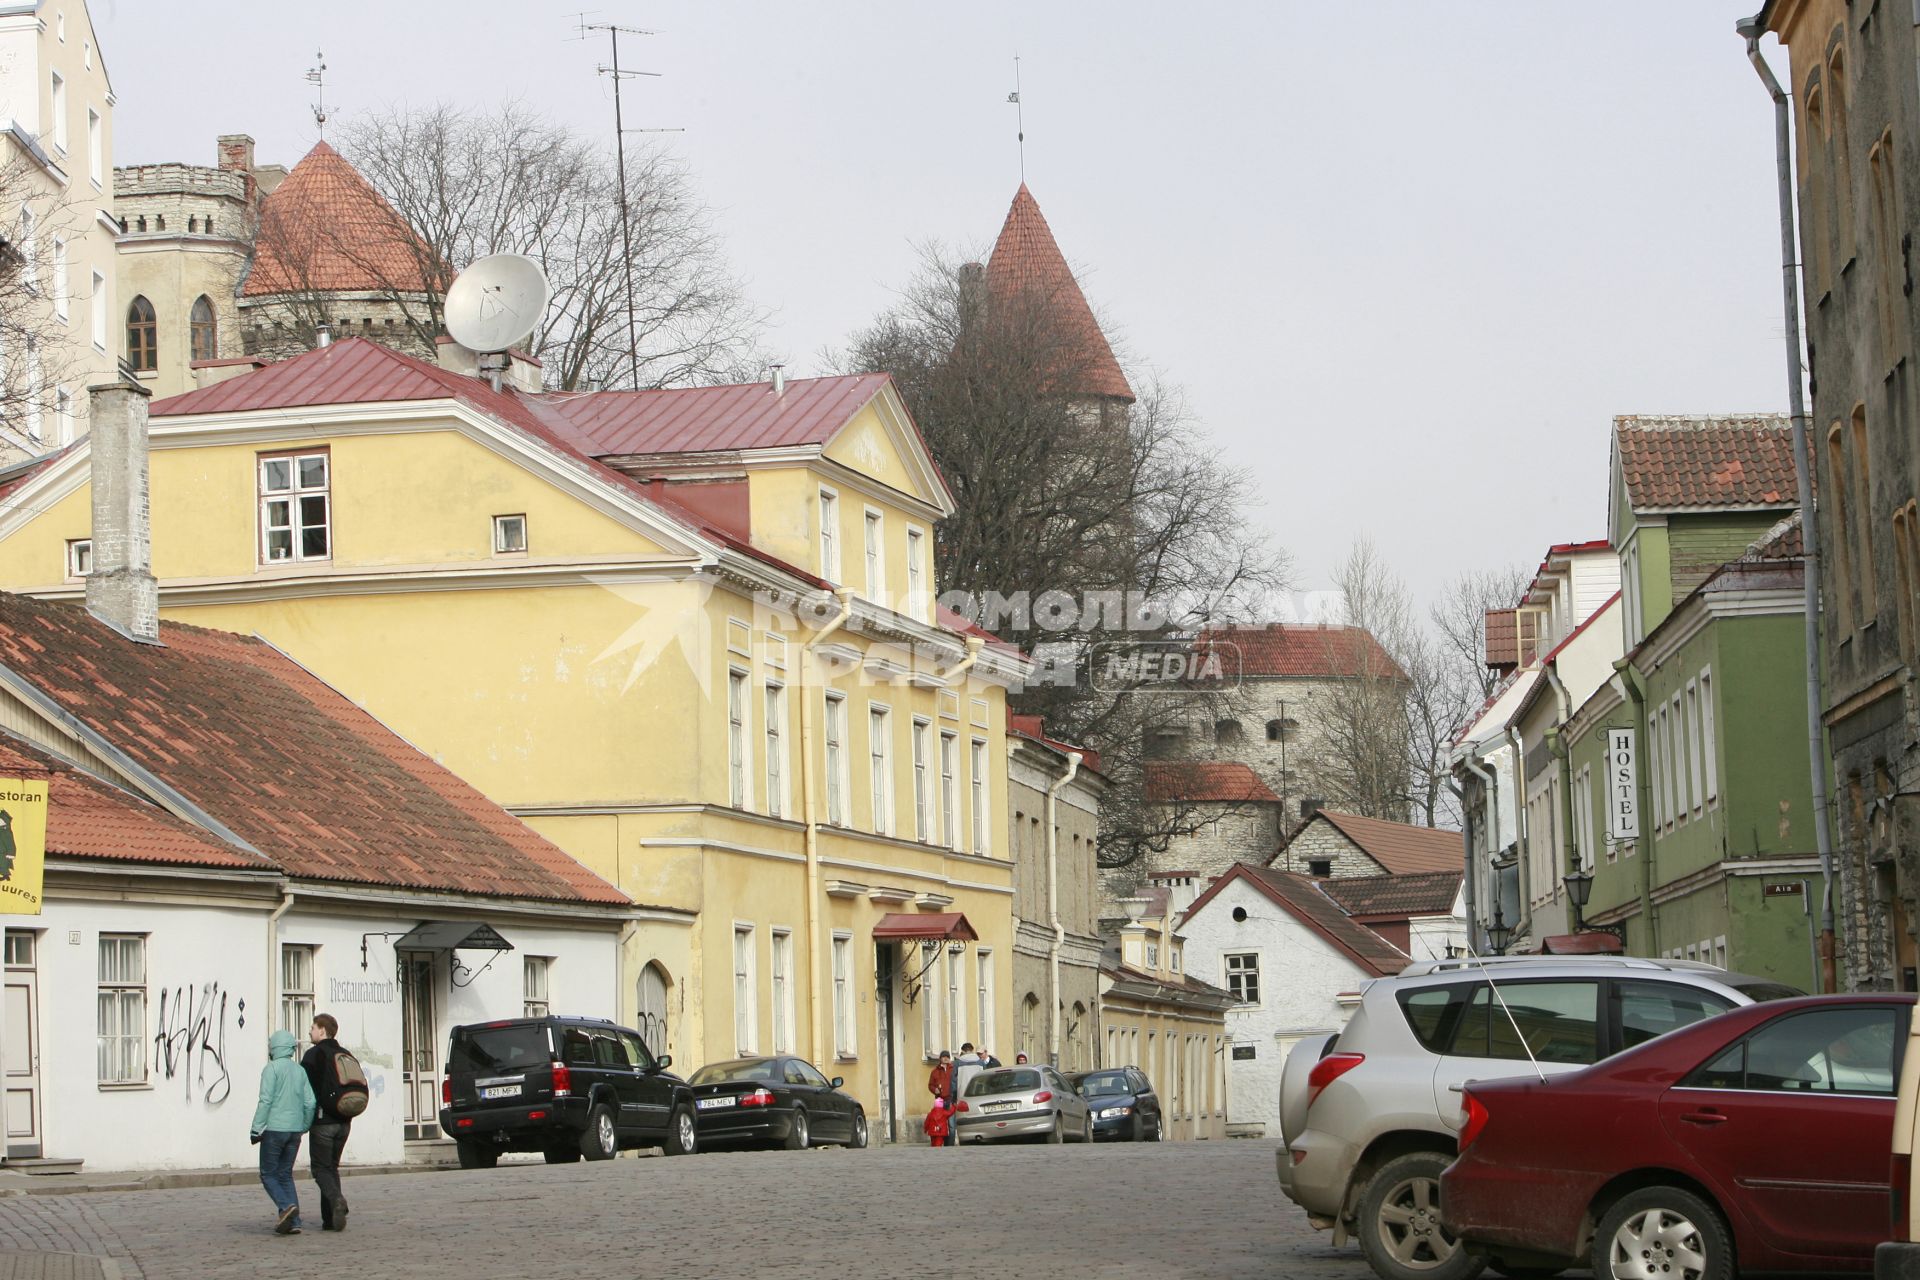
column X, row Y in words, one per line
column 776, row 735
column 916, row 570
column 30, row 266
column 1677, row 754
column 746, row 1013
column 1709, row 736
column 949, row 789
column 59, row 105
column 1656, row 768
column 829, row 535
column 956, row 1000
column 536, row 986
column 880, row 765
column 120, row 1018
column 79, row 558
column 739, row 753
column 931, row 1016
column 983, row 992
column 843, row 1015
column 61, row 308
column 1153, row 957
column 839, row 782
column 1242, row 973
column 1583, row 812
column 294, row 496
column 504, row 528
column 100, row 317
column 1695, row 749
column 96, row 149
column 873, row 544
column 780, row 988
column 982, row 797
column 299, row 967
column 63, row 415
column 922, row 780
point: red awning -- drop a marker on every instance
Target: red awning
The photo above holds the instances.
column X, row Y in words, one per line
column 902, row 926
column 1581, row 944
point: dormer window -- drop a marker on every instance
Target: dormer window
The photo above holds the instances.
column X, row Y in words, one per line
column 509, row 535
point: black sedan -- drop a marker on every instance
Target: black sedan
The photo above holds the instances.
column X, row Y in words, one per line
column 774, row 1101
column 1122, row 1102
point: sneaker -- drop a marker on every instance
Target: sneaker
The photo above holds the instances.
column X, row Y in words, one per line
column 340, row 1218
column 289, row 1222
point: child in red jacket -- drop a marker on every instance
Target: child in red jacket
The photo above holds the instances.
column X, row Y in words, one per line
column 939, row 1123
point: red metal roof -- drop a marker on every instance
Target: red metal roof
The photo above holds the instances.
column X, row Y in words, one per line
column 909, row 926
column 1027, row 262
column 325, row 229
column 1303, row 650
column 709, row 419
column 283, row 760
column 1210, row 781
column 1707, row 462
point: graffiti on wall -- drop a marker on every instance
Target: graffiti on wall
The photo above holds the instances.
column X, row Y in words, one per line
column 190, row 1041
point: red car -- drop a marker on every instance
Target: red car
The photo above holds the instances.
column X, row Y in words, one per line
column 1758, row 1140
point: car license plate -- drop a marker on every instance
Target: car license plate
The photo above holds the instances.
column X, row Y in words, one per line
column 501, row 1091
column 715, row 1104
column 992, row 1107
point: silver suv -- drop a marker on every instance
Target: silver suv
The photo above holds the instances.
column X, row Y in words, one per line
column 1369, row 1117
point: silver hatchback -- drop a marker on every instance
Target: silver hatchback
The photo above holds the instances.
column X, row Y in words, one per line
column 1021, row 1102
column 1370, row 1117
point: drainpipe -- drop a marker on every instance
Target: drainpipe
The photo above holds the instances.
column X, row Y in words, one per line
column 1524, row 908
column 627, row 931
column 1466, row 845
column 812, row 914
column 1053, row 910
column 1635, row 685
column 273, row 960
column 1490, row 785
column 1751, row 30
column 1557, row 744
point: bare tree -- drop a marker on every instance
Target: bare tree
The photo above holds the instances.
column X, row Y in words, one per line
column 1459, row 620
column 37, row 347
column 463, row 184
column 1365, row 725
column 1084, row 507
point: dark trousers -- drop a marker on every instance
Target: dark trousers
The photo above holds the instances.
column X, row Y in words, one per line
column 325, row 1141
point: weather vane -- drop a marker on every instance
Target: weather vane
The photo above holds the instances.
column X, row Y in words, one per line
column 317, row 77
column 1019, row 117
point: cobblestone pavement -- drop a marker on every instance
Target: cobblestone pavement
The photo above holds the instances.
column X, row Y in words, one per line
column 1165, row 1211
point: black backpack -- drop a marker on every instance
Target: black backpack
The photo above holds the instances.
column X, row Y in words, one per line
column 346, row 1084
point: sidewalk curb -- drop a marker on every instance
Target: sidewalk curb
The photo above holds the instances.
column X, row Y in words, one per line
column 83, row 1184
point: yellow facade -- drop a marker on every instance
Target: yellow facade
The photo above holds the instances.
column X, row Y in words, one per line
column 613, row 685
column 1170, row 1026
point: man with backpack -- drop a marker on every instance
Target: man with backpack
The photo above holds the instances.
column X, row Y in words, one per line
column 340, row 1087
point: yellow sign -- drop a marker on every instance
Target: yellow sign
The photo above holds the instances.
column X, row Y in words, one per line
column 23, row 844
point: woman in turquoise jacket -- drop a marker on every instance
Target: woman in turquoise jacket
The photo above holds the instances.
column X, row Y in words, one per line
column 286, row 1111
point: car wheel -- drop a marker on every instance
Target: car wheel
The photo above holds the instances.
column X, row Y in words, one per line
column 1664, row 1232
column 797, row 1135
column 561, row 1155
column 475, row 1156
column 1086, row 1130
column 1400, row 1229
column 859, row 1138
column 683, row 1138
column 1159, row 1129
column 1137, row 1132
column 598, row 1140
column 1057, row 1134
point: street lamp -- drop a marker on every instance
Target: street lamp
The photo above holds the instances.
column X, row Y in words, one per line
column 1579, row 890
column 1499, row 934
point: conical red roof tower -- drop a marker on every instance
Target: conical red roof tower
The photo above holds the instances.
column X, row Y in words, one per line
column 326, row 230
column 1027, row 260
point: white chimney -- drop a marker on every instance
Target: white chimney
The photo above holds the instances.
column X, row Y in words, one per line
column 121, row 590
column 779, row 379
column 323, row 334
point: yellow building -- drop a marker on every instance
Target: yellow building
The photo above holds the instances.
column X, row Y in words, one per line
column 689, row 636
column 56, row 235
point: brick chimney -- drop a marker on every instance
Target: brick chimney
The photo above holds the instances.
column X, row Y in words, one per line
column 121, row 590
column 236, row 152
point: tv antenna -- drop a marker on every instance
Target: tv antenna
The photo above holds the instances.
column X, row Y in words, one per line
column 494, row 305
column 1019, row 117
column 620, row 132
column 317, row 77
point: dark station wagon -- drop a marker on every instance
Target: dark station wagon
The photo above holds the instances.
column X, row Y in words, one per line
column 565, row 1087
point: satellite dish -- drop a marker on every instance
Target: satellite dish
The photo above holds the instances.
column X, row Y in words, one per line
column 497, row 302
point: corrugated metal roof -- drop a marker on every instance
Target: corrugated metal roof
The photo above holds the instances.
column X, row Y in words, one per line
column 713, row 419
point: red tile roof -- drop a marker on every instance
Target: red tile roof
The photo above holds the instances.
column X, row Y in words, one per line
column 1026, row 262
column 325, row 229
column 91, row 818
column 1301, row 650
column 1302, row 898
column 282, row 760
column 1421, row 893
column 710, row 419
column 1706, row 462
column 1401, row 848
column 1194, row 781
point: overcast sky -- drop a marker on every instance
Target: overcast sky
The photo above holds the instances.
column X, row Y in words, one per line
column 1406, row 260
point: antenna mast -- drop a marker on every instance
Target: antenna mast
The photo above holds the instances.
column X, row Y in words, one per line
column 317, row 77
column 1019, row 117
column 620, row 132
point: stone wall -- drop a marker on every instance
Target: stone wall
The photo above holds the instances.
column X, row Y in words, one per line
column 1321, row 839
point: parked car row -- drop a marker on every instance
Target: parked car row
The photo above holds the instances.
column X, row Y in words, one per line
column 573, row 1088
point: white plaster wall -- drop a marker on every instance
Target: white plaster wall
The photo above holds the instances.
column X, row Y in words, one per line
column 1301, row 974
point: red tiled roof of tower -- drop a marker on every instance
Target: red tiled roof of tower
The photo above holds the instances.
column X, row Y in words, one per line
column 1403, row 849
column 1301, row 649
column 1205, row 781
column 88, row 817
column 326, row 230
column 1743, row 460
column 282, row 760
column 1027, row 261
column 1418, row 893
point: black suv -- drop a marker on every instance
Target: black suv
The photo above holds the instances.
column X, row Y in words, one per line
column 567, row 1087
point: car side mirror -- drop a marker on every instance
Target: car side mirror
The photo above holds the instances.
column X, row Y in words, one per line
column 662, row 1062
column 837, row 1081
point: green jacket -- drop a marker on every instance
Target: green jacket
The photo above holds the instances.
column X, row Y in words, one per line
column 286, row 1098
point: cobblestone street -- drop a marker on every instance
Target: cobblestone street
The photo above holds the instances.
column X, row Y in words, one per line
column 1102, row 1213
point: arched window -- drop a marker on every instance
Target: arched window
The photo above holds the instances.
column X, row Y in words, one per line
column 651, row 1021
column 1076, row 1037
column 142, row 335
column 206, row 342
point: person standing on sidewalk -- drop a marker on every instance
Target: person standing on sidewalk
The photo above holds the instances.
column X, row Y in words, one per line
column 285, row 1111
column 330, row 1129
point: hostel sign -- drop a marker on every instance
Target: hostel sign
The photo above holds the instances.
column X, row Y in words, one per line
column 23, row 844
column 1623, row 786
